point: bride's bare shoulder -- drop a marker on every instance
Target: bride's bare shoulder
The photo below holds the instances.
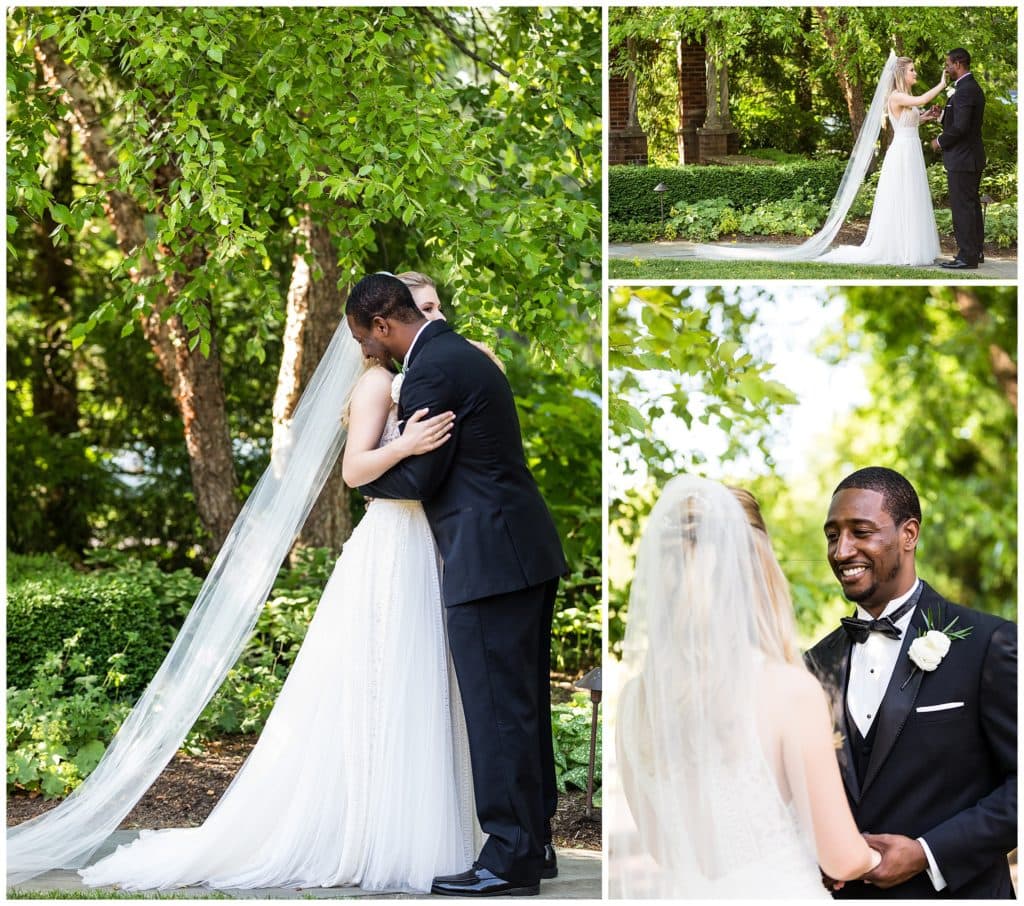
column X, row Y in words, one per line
column 794, row 682
column 374, row 382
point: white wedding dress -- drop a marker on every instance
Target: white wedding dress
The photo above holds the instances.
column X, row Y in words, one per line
column 902, row 228
column 361, row 776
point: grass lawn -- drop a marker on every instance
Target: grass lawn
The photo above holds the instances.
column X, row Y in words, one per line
column 664, row 269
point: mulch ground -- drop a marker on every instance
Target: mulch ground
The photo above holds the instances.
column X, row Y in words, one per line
column 189, row 787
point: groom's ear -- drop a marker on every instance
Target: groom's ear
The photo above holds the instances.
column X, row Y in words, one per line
column 380, row 325
column 910, row 531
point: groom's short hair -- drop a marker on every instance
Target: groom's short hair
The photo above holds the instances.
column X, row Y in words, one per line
column 383, row 296
column 898, row 495
column 960, row 56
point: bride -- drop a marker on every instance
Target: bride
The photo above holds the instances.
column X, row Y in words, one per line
column 902, row 227
column 727, row 784
column 361, row 775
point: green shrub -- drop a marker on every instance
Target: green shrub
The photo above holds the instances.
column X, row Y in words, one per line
column 631, row 196
column 576, row 624
column 702, row 221
column 55, row 737
column 48, row 602
column 1000, row 181
column 1000, row 224
column 570, row 728
column 634, row 231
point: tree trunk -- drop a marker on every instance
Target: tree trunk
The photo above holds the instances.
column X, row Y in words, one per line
column 54, row 384
column 833, row 23
column 194, row 380
column 315, row 307
column 1003, row 367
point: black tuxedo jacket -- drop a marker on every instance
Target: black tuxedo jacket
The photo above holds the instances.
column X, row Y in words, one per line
column 492, row 527
column 961, row 144
column 949, row 775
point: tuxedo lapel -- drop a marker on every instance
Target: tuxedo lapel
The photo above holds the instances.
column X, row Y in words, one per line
column 835, row 669
column 901, row 693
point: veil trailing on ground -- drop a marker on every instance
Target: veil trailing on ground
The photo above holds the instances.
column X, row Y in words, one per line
column 213, row 634
column 694, row 803
column 856, row 169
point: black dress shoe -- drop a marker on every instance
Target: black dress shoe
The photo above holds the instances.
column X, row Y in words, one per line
column 957, row 265
column 479, row 882
column 550, row 869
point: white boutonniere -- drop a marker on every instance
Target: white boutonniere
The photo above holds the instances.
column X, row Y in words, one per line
column 396, row 386
column 932, row 645
column 950, row 91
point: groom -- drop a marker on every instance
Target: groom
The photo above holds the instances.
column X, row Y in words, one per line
column 964, row 157
column 929, row 756
column 502, row 561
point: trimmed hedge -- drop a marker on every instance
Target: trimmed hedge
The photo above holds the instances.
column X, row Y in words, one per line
column 631, row 195
column 136, row 610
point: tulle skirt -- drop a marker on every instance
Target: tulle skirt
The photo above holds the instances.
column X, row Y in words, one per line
column 361, row 776
column 902, row 228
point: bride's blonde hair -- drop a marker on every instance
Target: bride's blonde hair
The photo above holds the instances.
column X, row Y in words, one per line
column 776, row 626
column 899, row 75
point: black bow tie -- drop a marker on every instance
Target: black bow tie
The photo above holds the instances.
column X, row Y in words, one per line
column 858, row 630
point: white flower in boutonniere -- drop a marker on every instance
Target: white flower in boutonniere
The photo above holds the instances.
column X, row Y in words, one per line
column 396, row 386
column 932, row 645
column 950, row 91
column 928, row 650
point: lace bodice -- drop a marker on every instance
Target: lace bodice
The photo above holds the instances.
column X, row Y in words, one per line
column 390, row 428
column 909, row 119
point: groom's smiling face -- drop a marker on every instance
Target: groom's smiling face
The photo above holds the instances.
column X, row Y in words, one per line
column 871, row 556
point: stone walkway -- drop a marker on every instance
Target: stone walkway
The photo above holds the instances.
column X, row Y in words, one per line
column 579, row 878
column 994, row 268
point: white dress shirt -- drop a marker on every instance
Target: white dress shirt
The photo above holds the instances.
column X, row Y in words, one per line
column 408, row 352
column 872, row 663
column 871, row 667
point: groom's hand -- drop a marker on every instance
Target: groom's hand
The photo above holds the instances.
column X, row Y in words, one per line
column 830, row 884
column 902, row 858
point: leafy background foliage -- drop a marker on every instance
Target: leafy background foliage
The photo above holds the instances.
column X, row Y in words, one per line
column 938, row 413
column 784, row 81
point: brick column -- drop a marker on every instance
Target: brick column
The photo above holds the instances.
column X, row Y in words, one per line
column 627, row 143
column 691, row 98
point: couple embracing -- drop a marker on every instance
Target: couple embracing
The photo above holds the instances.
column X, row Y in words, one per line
column 883, row 763
column 417, row 712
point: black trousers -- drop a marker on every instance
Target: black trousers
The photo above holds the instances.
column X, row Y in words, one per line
column 965, row 204
column 501, row 647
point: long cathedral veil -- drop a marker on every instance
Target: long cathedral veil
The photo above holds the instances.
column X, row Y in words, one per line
column 213, row 634
column 856, row 169
column 693, row 802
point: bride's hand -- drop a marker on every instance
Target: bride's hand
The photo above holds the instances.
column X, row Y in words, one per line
column 421, row 434
column 942, row 81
